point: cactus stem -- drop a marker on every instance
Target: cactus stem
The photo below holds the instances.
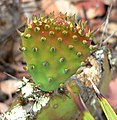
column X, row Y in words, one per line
column 39, row 23
column 72, row 29
column 60, row 39
column 25, row 68
column 66, row 71
column 83, row 63
column 57, row 28
column 89, row 34
column 61, row 85
column 52, row 49
column 64, row 32
column 32, row 67
column 27, row 36
column 34, row 49
column 62, row 60
column 43, row 39
column 45, row 63
column 39, row 85
column 51, row 33
column 23, row 49
column 29, row 26
column 47, row 27
column 70, row 47
column 81, row 32
column 84, row 42
column 50, row 79
column 35, row 21
column 36, row 29
column 75, row 37
column 79, row 54
column 91, row 47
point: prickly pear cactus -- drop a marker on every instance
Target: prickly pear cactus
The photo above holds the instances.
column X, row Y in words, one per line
column 54, row 48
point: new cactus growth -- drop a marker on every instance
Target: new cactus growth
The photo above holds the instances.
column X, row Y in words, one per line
column 54, row 48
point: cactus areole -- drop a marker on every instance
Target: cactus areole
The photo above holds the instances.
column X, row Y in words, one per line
column 54, row 48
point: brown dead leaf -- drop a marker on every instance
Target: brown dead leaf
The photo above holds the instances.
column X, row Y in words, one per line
column 2, row 76
column 59, row 6
column 3, row 107
column 112, row 92
column 9, row 87
column 93, row 8
column 49, row 6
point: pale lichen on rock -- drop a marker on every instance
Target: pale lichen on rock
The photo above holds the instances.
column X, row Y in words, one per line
column 17, row 113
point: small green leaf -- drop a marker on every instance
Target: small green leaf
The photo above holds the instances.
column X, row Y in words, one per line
column 109, row 112
column 81, row 105
column 88, row 116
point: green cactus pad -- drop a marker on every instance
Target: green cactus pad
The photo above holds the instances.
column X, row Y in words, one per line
column 54, row 48
column 61, row 107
